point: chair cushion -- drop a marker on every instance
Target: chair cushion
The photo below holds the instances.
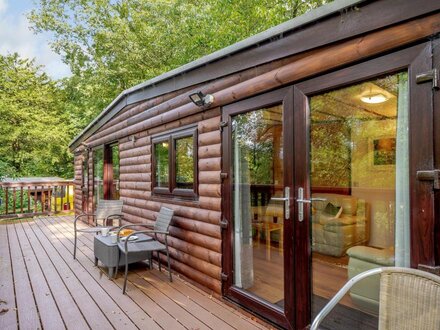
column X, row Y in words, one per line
column 348, row 203
column 342, row 221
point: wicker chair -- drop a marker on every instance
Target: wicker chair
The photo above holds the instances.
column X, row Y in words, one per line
column 409, row 299
column 106, row 210
column 161, row 225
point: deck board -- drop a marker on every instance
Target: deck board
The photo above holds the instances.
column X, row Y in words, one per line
column 91, row 311
column 48, row 309
column 27, row 309
column 117, row 317
column 67, row 306
column 232, row 317
column 43, row 286
column 125, row 303
column 8, row 318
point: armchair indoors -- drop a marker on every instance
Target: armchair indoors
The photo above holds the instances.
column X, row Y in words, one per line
column 106, row 210
column 334, row 235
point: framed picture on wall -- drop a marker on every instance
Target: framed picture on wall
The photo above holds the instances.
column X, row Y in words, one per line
column 382, row 152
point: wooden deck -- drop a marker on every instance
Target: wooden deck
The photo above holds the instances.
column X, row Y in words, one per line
column 42, row 287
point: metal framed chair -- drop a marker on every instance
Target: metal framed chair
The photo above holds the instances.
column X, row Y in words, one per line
column 106, row 210
column 128, row 247
column 409, row 299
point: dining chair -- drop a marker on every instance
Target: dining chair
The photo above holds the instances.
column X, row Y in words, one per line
column 106, row 210
column 160, row 227
column 408, row 299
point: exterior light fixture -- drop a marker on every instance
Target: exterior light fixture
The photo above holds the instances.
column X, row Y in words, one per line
column 374, row 98
column 201, row 99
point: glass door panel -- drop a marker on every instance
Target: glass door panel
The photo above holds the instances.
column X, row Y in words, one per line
column 258, row 177
column 359, row 164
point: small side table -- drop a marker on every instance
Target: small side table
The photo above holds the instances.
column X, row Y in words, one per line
column 107, row 252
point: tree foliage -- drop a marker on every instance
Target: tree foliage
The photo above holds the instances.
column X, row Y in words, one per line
column 34, row 130
column 110, row 45
column 113, row 45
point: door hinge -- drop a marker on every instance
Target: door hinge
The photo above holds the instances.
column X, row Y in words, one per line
column 432, row 75
column 224, row 277
column 224, row 223
column 430, row 269
column 222, row 125
column 432, row 175
column 223, row 175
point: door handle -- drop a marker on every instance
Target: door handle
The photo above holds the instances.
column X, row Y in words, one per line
column 286, row 200
column 301, row 201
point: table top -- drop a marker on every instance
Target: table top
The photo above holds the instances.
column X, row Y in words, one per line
column 107, row 240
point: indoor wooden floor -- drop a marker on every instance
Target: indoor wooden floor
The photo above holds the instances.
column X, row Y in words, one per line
column 42, row 287
column 329, row 275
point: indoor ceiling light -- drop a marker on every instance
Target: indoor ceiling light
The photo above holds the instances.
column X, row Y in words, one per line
column 374, row 98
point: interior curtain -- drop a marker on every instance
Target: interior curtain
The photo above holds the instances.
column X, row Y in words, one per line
column 402, row 238
column 243, row 258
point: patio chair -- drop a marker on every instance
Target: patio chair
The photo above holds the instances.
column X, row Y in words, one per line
column 128, row 247
column 409, row 299
column 106, row 210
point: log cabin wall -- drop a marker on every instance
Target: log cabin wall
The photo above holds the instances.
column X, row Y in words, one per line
column 195, row 242
column 77, row 179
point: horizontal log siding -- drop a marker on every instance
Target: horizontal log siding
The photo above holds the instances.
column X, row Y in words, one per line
column 159, row 105
column 77, row 180
column 195, row 235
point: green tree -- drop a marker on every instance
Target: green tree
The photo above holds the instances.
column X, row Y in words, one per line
column 34, row 130
column 113, row 45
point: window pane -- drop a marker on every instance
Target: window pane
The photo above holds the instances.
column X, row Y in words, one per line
column 257, row 158
column 359, row 164
column 185, row 163
column 114, row 184
column 161, row 163
column 98, row 175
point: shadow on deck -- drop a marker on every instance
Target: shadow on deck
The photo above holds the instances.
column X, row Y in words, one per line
column 42, row 286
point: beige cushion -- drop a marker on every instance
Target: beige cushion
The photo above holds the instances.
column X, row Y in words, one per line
column 343, row 221
column 348, row 203
column 381, row 257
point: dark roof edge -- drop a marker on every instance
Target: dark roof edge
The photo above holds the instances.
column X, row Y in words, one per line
column 292, row 24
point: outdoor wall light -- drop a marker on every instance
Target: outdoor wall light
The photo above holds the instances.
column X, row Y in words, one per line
column 201, row 99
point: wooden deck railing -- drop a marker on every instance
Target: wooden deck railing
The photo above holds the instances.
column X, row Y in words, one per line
column 24, row 199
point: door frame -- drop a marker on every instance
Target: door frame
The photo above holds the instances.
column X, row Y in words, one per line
column 415, row 60
column 249, row 301
column 85, row 181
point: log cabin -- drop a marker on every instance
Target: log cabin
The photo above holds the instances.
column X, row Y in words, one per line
column 293, row 160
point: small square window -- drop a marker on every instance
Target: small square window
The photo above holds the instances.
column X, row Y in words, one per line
column 175, row 164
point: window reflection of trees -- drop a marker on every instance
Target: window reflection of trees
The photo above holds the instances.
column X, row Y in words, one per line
column 185, row 163
column 255, row 133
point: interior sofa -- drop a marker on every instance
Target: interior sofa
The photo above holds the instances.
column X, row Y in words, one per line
column 333, row 235
column 365, row 294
